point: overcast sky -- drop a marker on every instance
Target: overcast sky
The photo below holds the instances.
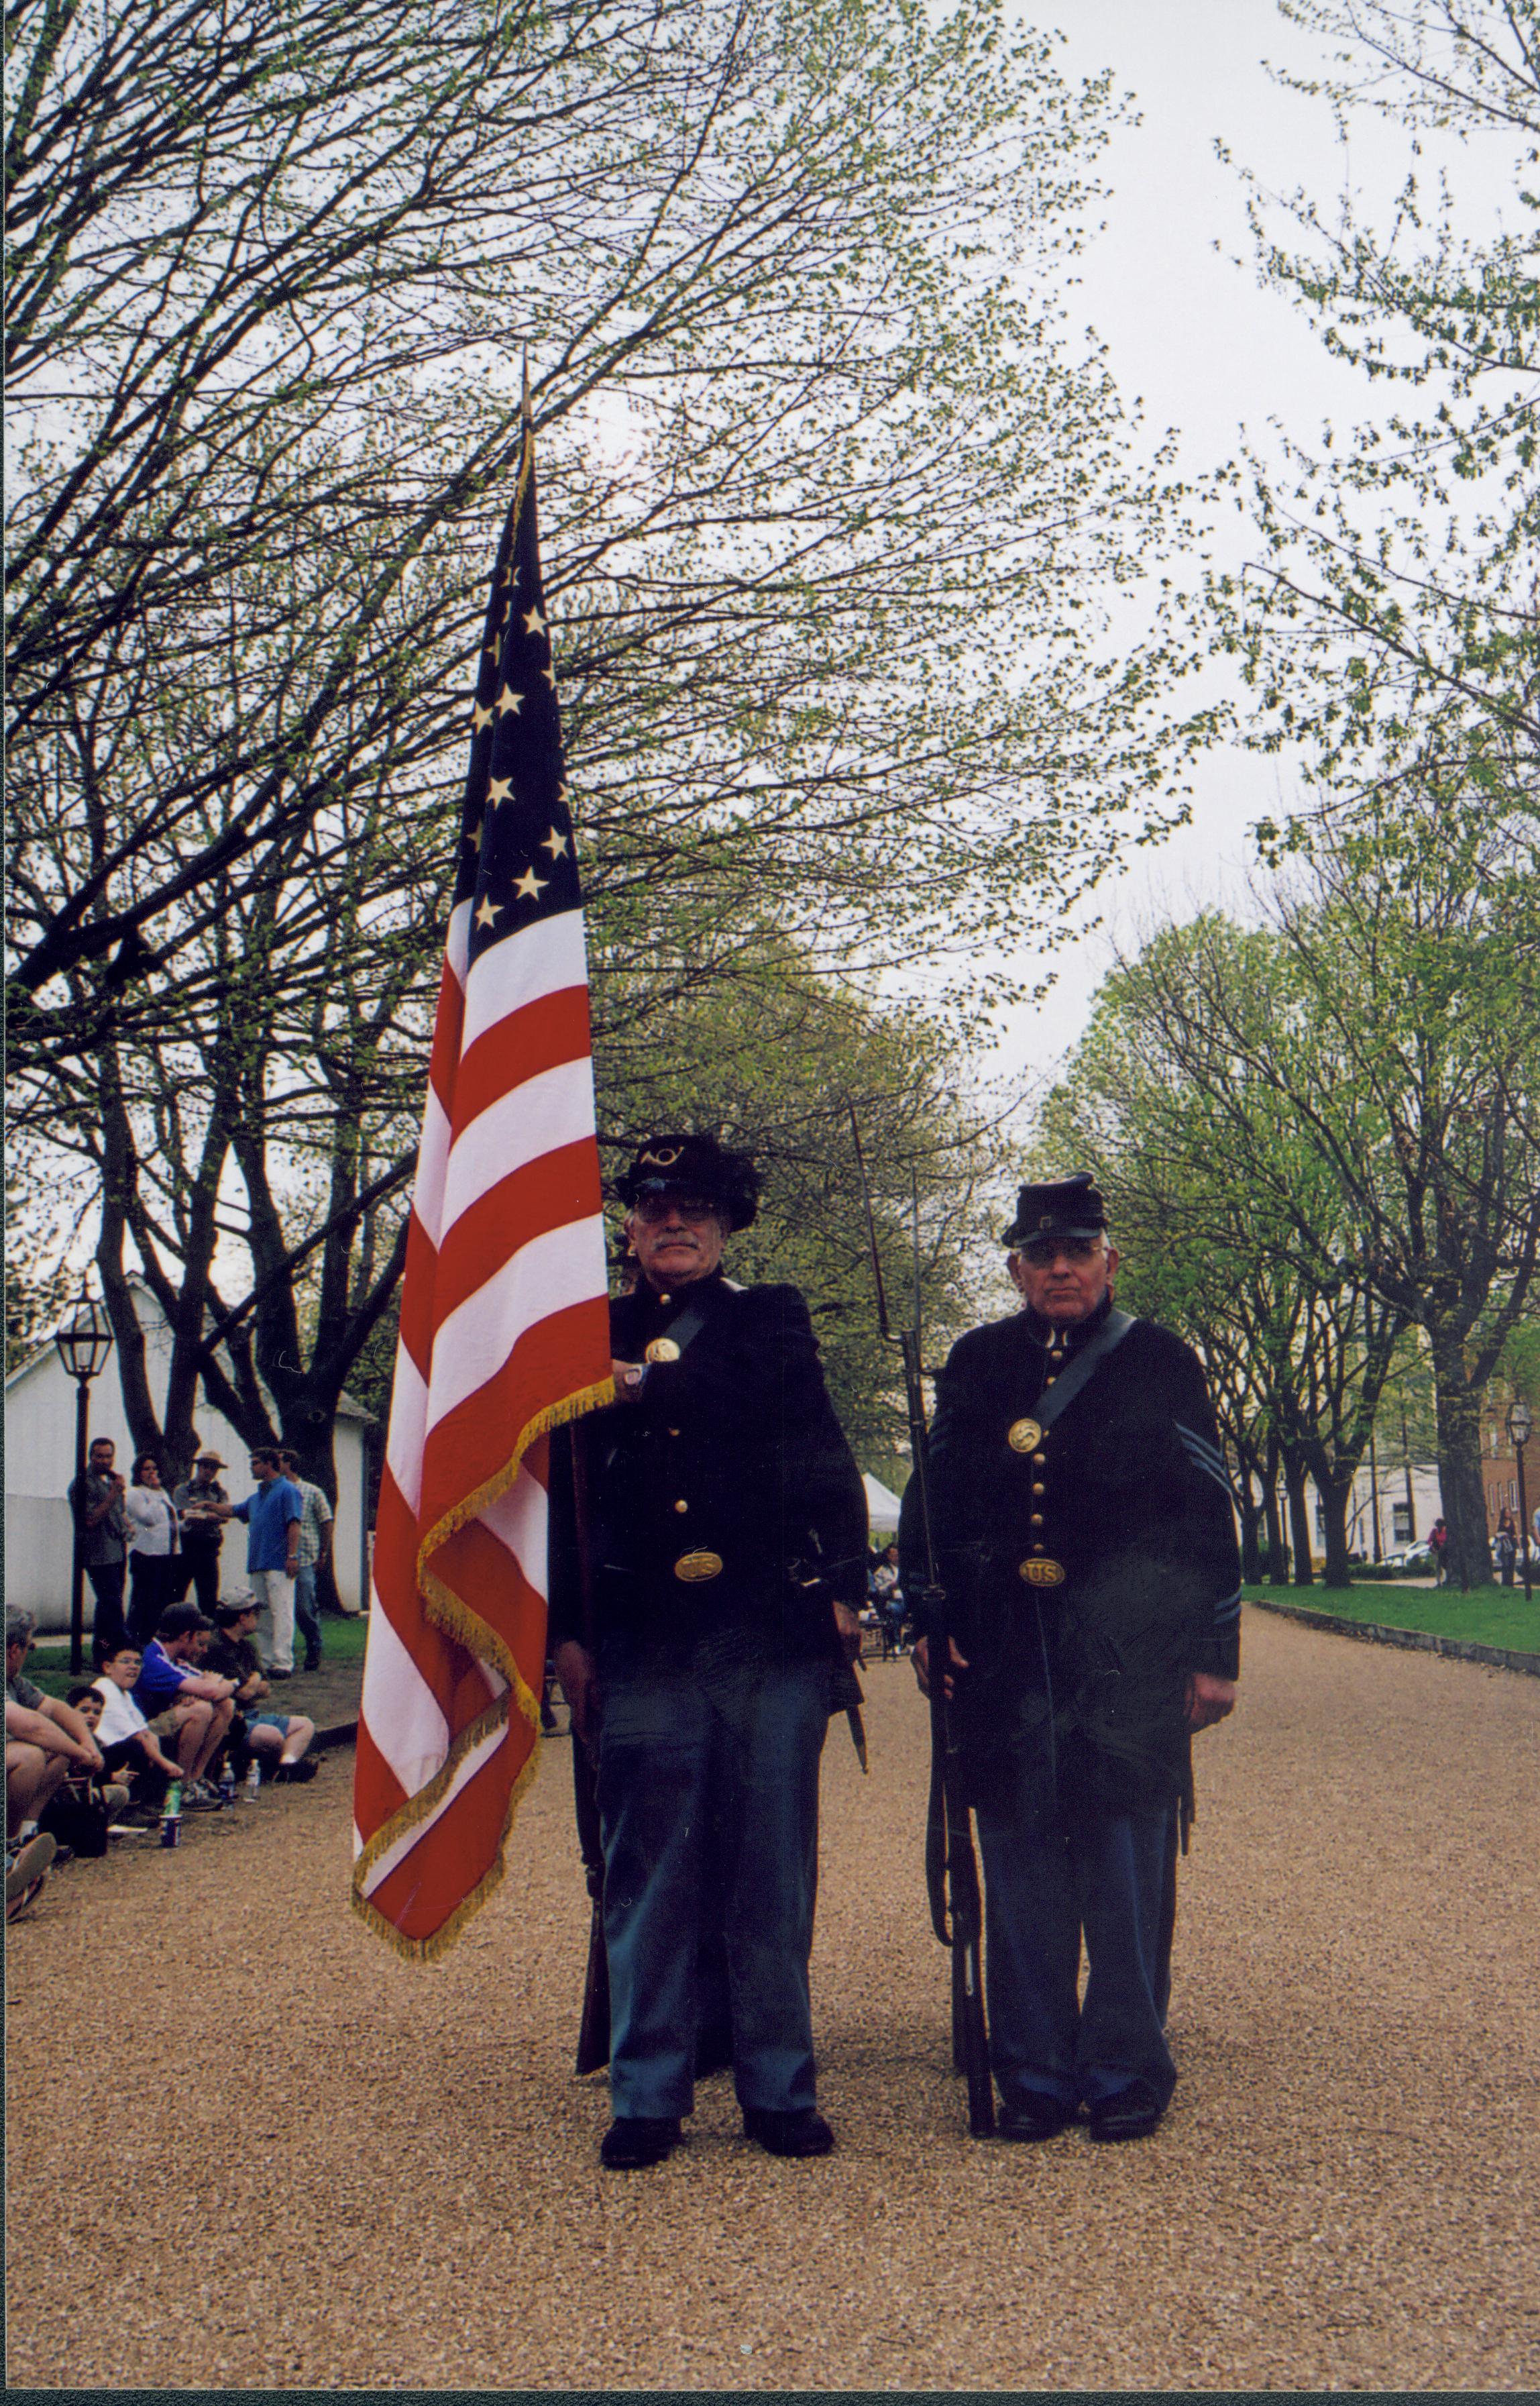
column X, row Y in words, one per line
column 1206, row 349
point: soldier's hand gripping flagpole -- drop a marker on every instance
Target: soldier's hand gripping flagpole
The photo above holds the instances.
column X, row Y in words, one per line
column 951, row 1870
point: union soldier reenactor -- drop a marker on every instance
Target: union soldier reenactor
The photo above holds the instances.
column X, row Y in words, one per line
column 708, row 1558
column 1087, row 1552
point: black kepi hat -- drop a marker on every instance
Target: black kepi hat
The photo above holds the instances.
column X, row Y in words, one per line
column 1064, row 1207
column 694, row 1165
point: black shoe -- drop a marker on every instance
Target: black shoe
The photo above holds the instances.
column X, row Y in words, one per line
column 296, row 1772
column 636, row 2140
column 280, row 1675
column 805, row 2133
column 1039, row 2116
column 314, row 1661
column 1131, row 2113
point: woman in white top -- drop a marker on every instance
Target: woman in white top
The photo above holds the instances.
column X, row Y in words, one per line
column 155, row 1544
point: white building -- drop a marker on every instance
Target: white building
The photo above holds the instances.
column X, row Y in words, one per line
column 40, row 1464
column 1400, row 1523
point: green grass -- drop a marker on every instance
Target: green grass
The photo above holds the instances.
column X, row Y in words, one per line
column 47, row 1665
column 1491, row 1617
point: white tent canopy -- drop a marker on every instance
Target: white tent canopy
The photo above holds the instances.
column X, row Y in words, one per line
column 882, row 1503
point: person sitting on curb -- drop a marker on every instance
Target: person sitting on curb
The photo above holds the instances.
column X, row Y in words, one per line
column 114, row 1793
column 45, row 1739
column 129, row 1746
column 202, row 1706
column 286, row 1736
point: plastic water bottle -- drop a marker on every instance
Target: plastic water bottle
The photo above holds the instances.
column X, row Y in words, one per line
column 227, row 1786
column 171, row 1819
column 253, row 1779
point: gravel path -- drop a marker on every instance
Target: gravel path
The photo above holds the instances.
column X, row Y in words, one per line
column 250, row 2149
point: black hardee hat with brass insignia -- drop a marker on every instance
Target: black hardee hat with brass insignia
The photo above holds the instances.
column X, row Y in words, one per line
column 1067, row 1207
column 697, row 1165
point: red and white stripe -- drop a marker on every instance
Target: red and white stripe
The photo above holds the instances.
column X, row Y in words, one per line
column 504, row 1332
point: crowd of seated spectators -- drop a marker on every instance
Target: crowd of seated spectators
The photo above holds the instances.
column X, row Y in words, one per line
column 186, row 1713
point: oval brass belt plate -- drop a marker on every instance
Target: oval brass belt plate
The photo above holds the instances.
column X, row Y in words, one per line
column 1040, row 1570
column 1024, row 1436
column 692, row 1568
column 663, row 1349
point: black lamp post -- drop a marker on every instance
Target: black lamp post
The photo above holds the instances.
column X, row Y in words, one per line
column 84, row 1342
column 1520, row 1423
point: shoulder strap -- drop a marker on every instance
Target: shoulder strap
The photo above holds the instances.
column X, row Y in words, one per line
column 686, row 1325
column 1082, row 1366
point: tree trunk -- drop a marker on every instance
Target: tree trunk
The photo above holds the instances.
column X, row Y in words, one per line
column 1336, row 1496
column 1252, row 1519
column 1458, row 1405
column 1277, row 1553
column 1299, row 1521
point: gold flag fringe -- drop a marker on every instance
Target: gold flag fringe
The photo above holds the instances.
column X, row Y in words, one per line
column 452, row 1614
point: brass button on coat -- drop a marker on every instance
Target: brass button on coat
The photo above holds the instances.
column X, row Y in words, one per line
column 1038, row 1487
column 682, row 1506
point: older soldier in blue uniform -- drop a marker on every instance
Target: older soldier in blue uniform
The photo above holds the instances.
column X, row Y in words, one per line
column 1087, row 1550
column 717, row 1522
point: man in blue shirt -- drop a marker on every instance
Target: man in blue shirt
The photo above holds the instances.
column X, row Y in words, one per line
column 272, row 1518
column 189, row 1708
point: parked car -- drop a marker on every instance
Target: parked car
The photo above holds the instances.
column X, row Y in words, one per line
column 1411, row 1561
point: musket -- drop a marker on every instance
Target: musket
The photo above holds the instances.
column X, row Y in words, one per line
column 951, row 1870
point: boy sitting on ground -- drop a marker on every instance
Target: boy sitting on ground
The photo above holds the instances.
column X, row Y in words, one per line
column 129, row 1746
column 268, row 1734
column 89, row 1703
column 200, row 1706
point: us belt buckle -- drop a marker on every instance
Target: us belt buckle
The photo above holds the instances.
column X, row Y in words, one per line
column 1041, row 1570
column 694, row 1567
column 1024, row 1436
column 663, row 1349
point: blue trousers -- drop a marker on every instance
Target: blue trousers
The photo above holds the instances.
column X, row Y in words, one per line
column 306, row 1617
column 685, row 1785
column 1108, row 1880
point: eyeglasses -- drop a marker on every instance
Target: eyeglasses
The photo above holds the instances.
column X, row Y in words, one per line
column 1041, row 1251
column 652, row 1208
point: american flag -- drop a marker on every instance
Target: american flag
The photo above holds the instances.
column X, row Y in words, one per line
column 504, row 1327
